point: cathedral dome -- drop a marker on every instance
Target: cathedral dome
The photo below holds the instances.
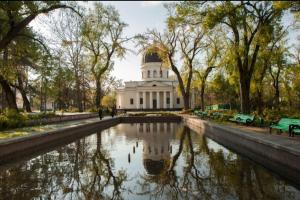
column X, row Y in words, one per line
column 155, row 167
column 151, row 57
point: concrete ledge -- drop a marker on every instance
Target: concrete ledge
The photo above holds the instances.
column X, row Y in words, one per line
column 280, row 155
column 57, row 119
column 15, row 148
column 149, row 119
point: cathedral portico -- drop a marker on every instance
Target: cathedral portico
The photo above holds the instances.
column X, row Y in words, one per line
column 157, row 90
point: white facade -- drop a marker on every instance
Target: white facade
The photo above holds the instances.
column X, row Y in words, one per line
column 156, row 90
column 155, row 140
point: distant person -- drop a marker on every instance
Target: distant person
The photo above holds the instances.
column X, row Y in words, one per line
column 100, row 113
column 113, row 111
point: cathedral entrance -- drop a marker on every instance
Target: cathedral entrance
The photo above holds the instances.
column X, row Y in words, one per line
column 154, row 104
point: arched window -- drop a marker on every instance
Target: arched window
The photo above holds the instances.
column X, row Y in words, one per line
column 167, row 74
column 160, row 73
column 142, row 74
column 148, row 74
column 154, row 74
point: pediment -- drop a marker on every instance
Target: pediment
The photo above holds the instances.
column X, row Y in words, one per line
column 156, row 83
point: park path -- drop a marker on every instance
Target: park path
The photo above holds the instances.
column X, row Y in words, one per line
column 24, row 131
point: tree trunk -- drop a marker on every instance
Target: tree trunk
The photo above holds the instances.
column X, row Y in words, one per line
column 202, row 95
column 21, row 88
column 260, row 102
column 26, row 102
column 78, row 92
column 98, row 94
column 276, row 96
column 9, row 94
column 186, row 101
column 41, row 96
column 185, row 93
column 276, row 87
column 245, row 93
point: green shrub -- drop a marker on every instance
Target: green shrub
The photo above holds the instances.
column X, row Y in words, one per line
column 92, row 109
column 42, row 115
column 189, row 111
column 270, row 115
column 3, row 122
column 12, row 119
column 151, row 113
column 72, row 109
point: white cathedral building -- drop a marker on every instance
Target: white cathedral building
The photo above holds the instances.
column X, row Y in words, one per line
column 157, row 90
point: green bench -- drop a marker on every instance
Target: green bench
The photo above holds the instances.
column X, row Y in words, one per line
column 216, row 115
column 285, row 125
column 294, row 129
column 241, row 118
column 200, row 113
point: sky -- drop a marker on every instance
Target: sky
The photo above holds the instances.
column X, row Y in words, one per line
column 141, row 16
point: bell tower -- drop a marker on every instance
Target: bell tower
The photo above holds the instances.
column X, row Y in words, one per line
column 152, row 67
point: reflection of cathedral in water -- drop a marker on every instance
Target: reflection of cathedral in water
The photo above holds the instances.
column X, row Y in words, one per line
column 156, row 138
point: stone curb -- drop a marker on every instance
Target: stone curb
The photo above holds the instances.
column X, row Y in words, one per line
column 277, row 156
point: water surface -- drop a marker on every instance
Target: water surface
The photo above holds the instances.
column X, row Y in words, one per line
column 142, row 161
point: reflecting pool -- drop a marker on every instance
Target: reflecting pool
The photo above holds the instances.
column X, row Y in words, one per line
column 142, row 161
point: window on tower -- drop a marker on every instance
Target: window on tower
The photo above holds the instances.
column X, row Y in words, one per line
column 160, row 73
column 148, row 74
column 167, row 74
column 154, row 74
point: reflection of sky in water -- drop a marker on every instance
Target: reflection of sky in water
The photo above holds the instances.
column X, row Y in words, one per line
column 80, row 171
column 219, row 148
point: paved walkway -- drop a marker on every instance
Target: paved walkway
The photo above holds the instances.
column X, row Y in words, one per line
column 42, row 128
column 257, row 133
column 265, row 131
column 60, row 113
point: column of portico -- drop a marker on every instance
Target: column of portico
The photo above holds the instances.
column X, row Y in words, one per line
column 157, row 100
column 137, row 100
column 171, row 99
column 151, row 100
column 144, row 100
column 165, row 99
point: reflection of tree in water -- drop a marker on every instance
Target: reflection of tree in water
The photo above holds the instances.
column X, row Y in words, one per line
column 75, row 171
column 209, row 174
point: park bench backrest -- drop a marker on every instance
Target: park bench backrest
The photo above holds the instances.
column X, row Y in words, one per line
column 244, row 117
column 207, row 108
column 215, row 107
column 288, row 121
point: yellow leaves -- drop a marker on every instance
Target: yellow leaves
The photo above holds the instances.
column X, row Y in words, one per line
column 281, row 5
column 108, row 101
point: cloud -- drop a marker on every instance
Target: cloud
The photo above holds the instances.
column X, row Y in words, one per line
column 150, row 3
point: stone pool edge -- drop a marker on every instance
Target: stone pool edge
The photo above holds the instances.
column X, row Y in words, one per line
column 276, row 157
column 14, row 148
column 280, row 159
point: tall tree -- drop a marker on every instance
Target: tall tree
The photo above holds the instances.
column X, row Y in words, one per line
column 103, row 34
column 249, row 25
column 275, row 70
column 183, row 38
column 67, row 29
column 211, row 59
column 14, row 20
column 16, row 16
column 264, row 61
